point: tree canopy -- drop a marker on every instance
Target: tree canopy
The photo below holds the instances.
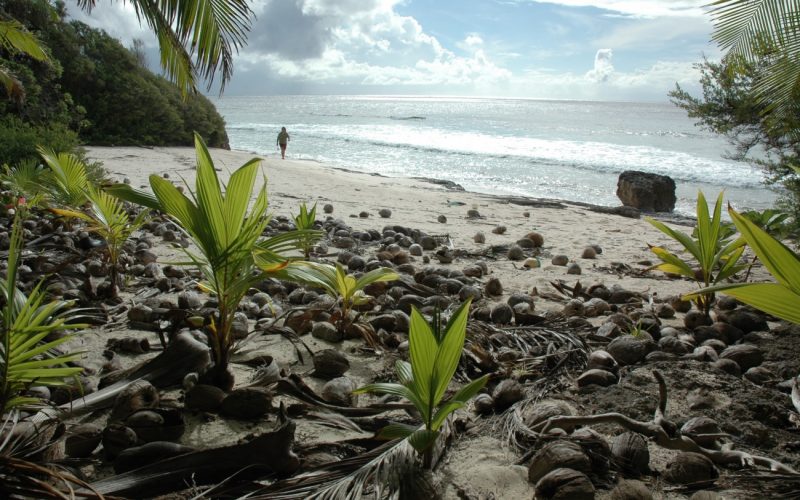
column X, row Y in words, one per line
column 91, row 89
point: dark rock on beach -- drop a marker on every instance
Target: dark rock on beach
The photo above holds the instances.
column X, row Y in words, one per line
column 645, row 191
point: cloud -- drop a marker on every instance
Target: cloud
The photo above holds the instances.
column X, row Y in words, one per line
column 637, row 8
column 369, row 46
column 284, row 28
column 359, row 43
column 118, row 19
column 603, row 69
column 638, row 34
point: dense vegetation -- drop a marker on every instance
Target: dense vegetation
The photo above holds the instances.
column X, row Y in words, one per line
column 92, row 90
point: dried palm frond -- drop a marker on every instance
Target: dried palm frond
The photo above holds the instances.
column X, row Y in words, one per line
column 21, row 473
column 548, row 357
column 379, row 473
column 543, row 349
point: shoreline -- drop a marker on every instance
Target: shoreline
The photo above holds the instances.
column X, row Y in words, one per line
column 357, row 197
column 522, row 200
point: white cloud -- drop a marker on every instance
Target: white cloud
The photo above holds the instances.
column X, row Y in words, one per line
column 639, row 8
column 349, row 46
column 649, row 83
column 603, row 69
column 639, row 35
column 118, row 19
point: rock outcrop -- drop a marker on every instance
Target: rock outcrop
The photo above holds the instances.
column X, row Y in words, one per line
column 648, row 192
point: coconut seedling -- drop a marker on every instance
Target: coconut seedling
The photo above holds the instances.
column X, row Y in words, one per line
column 781, row 299
column 67, row 182
column 106, row 216
column 434, row 353
column 305, row 220
column 226, row 231
column 715, row 254
column 336, row 282
column 26, row 320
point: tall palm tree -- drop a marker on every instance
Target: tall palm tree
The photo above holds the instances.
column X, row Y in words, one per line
column 197, row 38
column 743, row 26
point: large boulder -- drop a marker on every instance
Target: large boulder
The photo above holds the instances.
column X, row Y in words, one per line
column 648, row 192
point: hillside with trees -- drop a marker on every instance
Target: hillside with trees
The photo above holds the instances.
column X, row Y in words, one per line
column 91, row 90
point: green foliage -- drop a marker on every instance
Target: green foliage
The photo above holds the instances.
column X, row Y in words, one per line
column 63, row 180
column 305, row 220
column 125, row 104
column 67, row 184
column 15, row 38
column 25, row 356
column 338, row 284
column 106, row 216
column 781, row 299
column 711, row 248
column 771, row 220
column 435, row 353
column 93, row 87
column 729, row 107
column 227, row 235
column 20, row 138
column 24, row 179
column 740, row 27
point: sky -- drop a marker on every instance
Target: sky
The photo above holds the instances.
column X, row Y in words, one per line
column 630, row 50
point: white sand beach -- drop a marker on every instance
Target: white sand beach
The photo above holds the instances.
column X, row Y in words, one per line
column 418, row 204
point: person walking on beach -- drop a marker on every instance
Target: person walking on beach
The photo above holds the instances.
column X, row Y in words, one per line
column 283, row 140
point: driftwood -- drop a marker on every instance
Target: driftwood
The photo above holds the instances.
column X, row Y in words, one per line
column 664, row 433
column 269, row 453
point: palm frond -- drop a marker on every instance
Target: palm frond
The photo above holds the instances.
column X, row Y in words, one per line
column 381, row 472
column 25, row 178
column 742, row 27
column 14, row 36
column 70, row 182
column 26, row 322
column 737, row 23
column 196, row 38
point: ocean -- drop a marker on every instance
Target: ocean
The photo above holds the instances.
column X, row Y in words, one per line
column 568, row 150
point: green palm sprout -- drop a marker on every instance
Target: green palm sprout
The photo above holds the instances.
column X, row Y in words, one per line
column 435, row 353
column 106, row 216
column 67, row 183
column 715, row 254
column 305, row 220
column 25, row 356
column 228, row 238
column 781, row 299
column 339, row 285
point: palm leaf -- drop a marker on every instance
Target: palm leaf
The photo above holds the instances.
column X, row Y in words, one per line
column 449, row 352
column 396, row 431
column 743, row 26
column 14, row 36
column 771, row 298
column 684, row 239
column 458, row 400
column 781, row 261
column 737, row 23
column 422, row 439
column 422, row 352
column 26, row 321
column 127, row 193
column 211, row 31
column 70, row 182
column 380, row 274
